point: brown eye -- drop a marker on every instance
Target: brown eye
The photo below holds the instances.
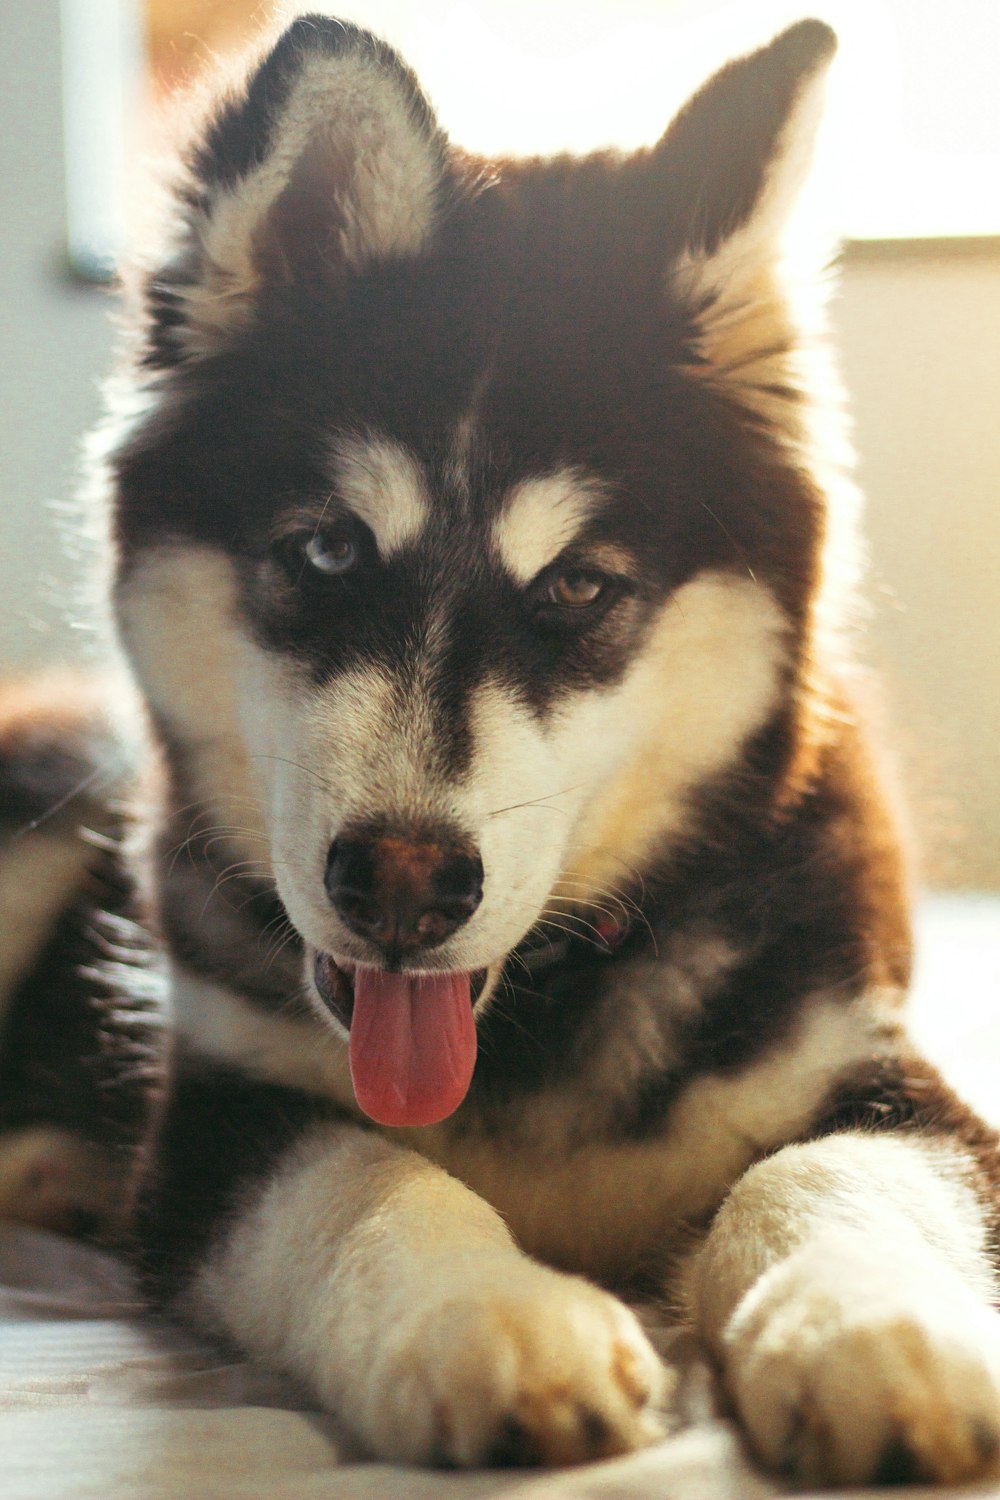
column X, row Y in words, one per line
column 575, row 589
column 331, row 554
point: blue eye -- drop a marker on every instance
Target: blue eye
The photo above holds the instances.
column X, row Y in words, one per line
column 331, row 554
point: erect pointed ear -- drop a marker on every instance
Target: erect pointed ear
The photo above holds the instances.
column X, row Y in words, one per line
column 326, row 158
column 732, row 164
column 739, row 151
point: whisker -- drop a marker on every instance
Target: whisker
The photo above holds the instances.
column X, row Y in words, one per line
column 535, row 802
column 100, row 777
column 219, row 830
column 282, row 939
column 237, row 872
column 225, row 877
column 207, row 804
column 628, row 906
column 630, row 872
column 586, row 892
column 605, row 911
column 218, row 836
column 730, row 539
column 570, row 931
column 601, row 898
column 306, row 770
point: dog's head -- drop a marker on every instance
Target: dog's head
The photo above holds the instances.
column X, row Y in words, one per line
column 467, row 521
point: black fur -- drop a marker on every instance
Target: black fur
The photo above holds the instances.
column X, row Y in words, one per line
column 83, row 1042
column 220, row 1134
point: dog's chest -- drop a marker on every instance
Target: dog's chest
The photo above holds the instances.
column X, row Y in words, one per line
column 615, row 1208
column 611, row 1212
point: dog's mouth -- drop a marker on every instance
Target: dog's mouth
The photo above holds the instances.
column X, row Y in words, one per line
column 412, row 1037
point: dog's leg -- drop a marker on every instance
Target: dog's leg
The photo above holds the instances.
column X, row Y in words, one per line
column 82, row 1040
column 845, row 1290
column 399, row 1296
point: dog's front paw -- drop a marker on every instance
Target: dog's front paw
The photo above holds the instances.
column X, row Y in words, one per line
column 530, row 1367
column 849, row 1374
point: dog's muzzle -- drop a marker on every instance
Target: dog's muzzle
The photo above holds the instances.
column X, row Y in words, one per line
column 402, row 893
column 412, row 1031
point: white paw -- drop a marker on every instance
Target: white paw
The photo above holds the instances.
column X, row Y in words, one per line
column 853, row 1374
column 526, row 1367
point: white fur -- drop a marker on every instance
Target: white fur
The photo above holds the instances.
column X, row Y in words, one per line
column 352, row 113
column 706, row 679
column 404, row 1302
column 384, row 486
column 177, row 616
column 845, row 1287
column 541, row 517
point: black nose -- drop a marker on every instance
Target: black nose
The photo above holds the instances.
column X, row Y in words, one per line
column 402, row 892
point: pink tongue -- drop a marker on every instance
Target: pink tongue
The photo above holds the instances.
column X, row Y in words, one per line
column 413, row 1045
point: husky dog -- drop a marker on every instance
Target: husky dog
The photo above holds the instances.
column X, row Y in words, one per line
column 536, row 920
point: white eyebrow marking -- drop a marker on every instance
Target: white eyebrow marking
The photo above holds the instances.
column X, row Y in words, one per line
column 541, row 517
column 384, row 486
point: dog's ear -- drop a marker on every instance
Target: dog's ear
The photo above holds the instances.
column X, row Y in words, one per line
column 731, row 167
column 737, row 154
column 326, row 158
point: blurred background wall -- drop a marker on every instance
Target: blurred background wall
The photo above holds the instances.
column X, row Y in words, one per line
column 918, row 325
